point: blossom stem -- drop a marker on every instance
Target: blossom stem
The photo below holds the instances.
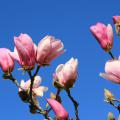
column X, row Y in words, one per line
column 32, row 80
column 116, row 100
column 112, row 56
column 117, row 107
column 31, row 85
column 43, row 112
column 57, row 94
column 14, row 80
column 37, row 70
column 75, row 104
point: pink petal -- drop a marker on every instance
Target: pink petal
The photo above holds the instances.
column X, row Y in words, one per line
column 113, row 67
column 6, row 61
column 54, row 55
column 40, row 90
column 22, row 52
column 37, row 81
column 110, row 33
column 110, row 77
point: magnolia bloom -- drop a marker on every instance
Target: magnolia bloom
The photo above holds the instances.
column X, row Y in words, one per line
column 112, row 69
column 48, row 49
column 66, row 74
column 6, row 61
column 116, row 20
column 24, row 51
column 104, row 35
column 59, row 110
column 37, row 89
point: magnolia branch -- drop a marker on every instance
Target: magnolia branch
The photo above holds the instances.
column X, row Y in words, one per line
column 111, row 54
column 30, row 55
column 75, row 104
column 32, row 80
column 116, row 106
column 41, row 111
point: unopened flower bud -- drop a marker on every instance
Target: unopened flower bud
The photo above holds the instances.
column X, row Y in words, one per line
column 116, row 20
column 111, row 116
column 6, row 61
column 119, row 117
column 108, row 95
column 59, row 110
column 103, row 34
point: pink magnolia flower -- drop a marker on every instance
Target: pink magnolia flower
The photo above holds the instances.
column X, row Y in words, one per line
column 6, row 61
column 112, row 69
column 59, row 110
column 116, row 20
column 48, row 49
column 66, row 73
column 24, row 51
column 103, row 34
column 37, row 89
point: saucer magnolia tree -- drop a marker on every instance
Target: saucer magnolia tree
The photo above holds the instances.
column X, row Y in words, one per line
column 31, row 58
column 104, row 35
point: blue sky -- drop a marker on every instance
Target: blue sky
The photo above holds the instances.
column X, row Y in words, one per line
column 68, row 20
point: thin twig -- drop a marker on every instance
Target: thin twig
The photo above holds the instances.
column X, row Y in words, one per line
column 111, row 103
column 117, row 107
column 37, row 70
column 116, row 100
column 31, row 85
column 32, row 77
column 112, row 56
column 32, row 80
column 75, row 104
column 57, row 94
column 14, row 80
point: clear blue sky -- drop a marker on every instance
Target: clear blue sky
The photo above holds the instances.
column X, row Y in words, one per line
column 68, row 20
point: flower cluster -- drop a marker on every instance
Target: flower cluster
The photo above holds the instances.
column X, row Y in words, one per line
column 104, row 35
column 28, row 55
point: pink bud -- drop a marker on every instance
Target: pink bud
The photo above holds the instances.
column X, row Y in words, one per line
column 116, row 19
column 24, row 51
column 59, row 110
column 6, row 62
column 66, row 73
column 48, row 49
column 104, row 35
column 112, row 69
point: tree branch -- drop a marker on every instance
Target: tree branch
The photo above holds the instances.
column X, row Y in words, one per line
column 75, row 104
